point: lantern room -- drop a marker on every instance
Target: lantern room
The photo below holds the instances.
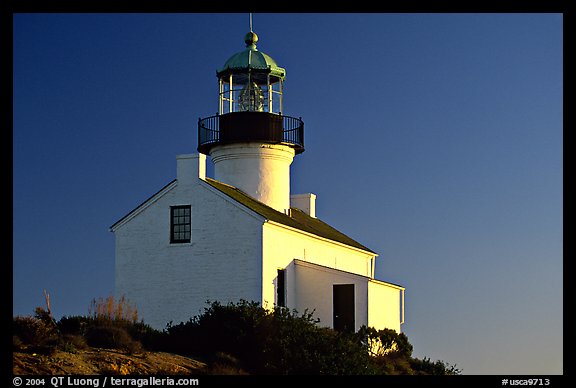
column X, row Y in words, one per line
column 250, row 104
column 250, row 81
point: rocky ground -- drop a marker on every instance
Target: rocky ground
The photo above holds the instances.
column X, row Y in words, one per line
column 95, row 361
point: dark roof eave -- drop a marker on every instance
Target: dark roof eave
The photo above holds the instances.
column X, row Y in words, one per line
column 299, row 220
column 240, row 70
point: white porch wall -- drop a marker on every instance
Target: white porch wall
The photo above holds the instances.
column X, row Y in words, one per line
column 281, row 246
column 314, row 290
column 384, row 306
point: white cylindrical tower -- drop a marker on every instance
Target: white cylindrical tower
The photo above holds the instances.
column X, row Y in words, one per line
column 251, row 143
column 260, row 170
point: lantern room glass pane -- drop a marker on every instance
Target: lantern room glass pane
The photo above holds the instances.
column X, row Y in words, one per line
column 255, row 92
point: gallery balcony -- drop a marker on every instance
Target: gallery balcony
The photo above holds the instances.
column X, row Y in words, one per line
column 249, row 126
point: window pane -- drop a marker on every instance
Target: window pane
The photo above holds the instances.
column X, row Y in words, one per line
column 180, row 223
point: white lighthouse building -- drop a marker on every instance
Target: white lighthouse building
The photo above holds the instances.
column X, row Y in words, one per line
column 243, row 234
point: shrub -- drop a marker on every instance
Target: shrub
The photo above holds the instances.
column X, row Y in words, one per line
column 33, row 331
column 224, row 364
column 122, row 315
column 111, row 337
column 71, row 343
column 425, row 366
column 17, row 343
column 383, row 342
column 294, row 344
column 74, row 325
column 147, row 336
column 268, row 342
column 246, row 337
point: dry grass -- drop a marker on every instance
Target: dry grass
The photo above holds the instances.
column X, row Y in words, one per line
column 111, row 309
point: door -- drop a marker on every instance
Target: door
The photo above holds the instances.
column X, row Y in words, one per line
column 281, row 288
column 343, row 307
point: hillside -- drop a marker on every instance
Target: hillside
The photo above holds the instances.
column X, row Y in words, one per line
column 242, row 338
column 95, row 361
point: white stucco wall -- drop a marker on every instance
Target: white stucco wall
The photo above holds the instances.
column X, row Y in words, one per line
column 384, row 305
column 235, row 254
column 314, row 290
column 281, row 245
column 260, row 170
column 171, row 282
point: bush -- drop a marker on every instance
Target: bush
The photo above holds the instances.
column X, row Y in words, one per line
column 383, row 342
column 33, row 331
column 425, row 366
column 247, row 337
column 112, row 337
column 233, row 339
column 224, row 364
column 147, row 336
column 268, row 342
column 74, row 325
column 71, row 343
column 17, row 343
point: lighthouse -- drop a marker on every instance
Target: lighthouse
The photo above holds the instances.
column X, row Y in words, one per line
column 242, row 234
column 251, row 142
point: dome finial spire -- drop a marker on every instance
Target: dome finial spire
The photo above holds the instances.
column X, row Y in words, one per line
column 251, row 38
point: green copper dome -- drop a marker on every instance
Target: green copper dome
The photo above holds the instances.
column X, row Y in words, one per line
column 251, row 59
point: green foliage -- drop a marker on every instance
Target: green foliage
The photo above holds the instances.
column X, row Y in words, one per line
column 384, row 342
column 281, row 341
column 17, row 343
column 74, row 325
column 425, row 366
column 38, row 334
column 150, row 338
column 109, row 325
column 269, row 342
column 30, row 330
column 71, row 343
column 224, row 364
column 112, row 337
column 233, row 339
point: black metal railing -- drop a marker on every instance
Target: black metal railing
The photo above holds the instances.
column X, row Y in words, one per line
column 250, row 127
column 208, row 131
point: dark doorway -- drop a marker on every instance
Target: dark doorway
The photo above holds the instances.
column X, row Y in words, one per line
column 343, row 307
column 281, row 288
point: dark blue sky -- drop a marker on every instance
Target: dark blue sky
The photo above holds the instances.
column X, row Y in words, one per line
column 434, row 139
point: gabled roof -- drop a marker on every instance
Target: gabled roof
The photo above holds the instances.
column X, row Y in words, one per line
column 297, row 220
column 143, row 205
